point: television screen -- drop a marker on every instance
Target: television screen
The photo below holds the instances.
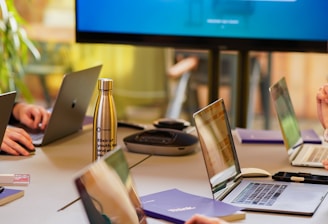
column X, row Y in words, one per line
column 271, row 25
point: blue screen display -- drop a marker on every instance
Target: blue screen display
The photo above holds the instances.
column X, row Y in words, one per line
column 300, row 20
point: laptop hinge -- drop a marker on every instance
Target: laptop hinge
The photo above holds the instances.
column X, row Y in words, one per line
column 220, row 194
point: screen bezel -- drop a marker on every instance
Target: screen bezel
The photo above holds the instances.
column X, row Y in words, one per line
column 198, row 42
column 202, row 42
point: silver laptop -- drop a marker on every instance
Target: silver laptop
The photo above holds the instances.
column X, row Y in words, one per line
column 107, row 191
column 68, row 112
column 299, row 153
column 225, row 177
column 6, row 104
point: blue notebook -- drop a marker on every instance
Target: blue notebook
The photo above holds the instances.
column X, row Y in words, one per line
column 253, row 136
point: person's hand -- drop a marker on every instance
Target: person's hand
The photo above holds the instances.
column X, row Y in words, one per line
column 33, row 116
column 14, row 141
column 325, row 164
column 200, row 219
column 322, row 105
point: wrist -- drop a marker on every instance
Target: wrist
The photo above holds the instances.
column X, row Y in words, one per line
column 16, row 110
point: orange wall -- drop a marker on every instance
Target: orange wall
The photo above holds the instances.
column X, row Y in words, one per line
column 305, row 73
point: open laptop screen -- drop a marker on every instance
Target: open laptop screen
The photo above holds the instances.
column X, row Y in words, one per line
column 107, row 191
column 216, row 142
column 286, row 115
column 6, row 105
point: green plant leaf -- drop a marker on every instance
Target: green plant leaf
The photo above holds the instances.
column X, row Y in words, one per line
column 14, row 50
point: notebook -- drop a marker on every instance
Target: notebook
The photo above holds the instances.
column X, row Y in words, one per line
column 9, row 195
column 253, row 136
column 107, row 191
column 178, row 207
column 299, row 153
column 68, row 112
column 225, row 176
column 6, row 104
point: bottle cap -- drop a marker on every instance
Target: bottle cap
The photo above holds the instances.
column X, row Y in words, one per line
column 105, row 84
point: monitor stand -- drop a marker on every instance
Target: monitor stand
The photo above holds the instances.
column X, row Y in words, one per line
column 242, row 86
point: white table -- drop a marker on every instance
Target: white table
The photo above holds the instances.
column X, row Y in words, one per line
column 52, row 171
column 188, row 173
column 54, row 166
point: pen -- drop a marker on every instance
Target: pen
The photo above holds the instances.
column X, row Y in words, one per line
column 300, row 177
column 297, row 179
column 69, row 204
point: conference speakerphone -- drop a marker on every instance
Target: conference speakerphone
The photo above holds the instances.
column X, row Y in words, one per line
column 161, row 141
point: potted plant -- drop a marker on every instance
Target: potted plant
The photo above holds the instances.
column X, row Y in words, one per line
column 15, row 48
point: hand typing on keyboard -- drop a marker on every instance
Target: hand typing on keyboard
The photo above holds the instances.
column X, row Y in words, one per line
column 17, row 141
column 33, row 116
column 325, row 163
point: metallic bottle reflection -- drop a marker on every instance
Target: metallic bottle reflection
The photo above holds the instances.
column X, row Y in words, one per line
column 104, row 120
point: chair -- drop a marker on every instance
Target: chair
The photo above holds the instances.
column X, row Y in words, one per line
column 178, row 81
column 53, row 61
column 190, row 72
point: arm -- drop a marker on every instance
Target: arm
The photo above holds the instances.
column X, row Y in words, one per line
column 322, row 105
column 322, row 111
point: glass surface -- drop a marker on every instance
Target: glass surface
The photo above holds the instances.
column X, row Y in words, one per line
column 107, row 191
column 217, row 145
column 286, row 114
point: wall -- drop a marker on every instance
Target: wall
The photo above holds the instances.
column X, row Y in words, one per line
column 305, row 73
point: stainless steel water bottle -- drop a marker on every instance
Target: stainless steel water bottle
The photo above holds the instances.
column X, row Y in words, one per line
column 104, row 120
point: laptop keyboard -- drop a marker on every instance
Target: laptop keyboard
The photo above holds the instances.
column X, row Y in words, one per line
column 36, row 136
column 260, row 194
column 318, row 154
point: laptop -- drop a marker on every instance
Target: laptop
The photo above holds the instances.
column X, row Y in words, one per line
column 6, row 104
column 107, row 191
column 299, row 153
column 227, row 182
column 68, row 111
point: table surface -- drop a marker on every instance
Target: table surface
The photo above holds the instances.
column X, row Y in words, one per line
column 54, row 167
